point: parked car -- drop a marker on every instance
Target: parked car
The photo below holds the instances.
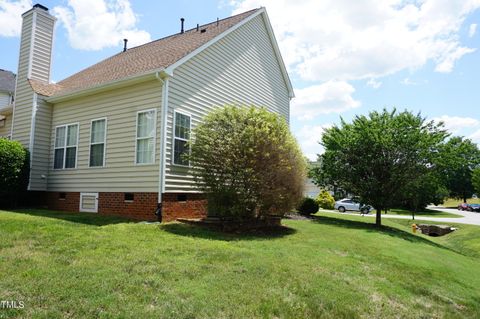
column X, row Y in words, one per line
column 350, row 204
column 474, row 208
column 463, row 206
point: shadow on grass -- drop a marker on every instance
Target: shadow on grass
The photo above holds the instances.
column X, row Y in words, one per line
column 75, row 217
column 204, row 232
column 426, row 212
column 371, row 227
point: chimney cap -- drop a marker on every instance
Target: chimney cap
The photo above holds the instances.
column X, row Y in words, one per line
column 38, row 5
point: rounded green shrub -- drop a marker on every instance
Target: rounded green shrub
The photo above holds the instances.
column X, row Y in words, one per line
column 325, row 200
column 248, row 163
column 307, row 206
column 14, row 171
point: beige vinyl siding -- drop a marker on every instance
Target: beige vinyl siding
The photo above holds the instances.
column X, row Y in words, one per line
column 5, row 130
column 239, row 69
column 22, row 116
column 4, row 99
column 120, row 173
column 41, row 145
column 42, row 46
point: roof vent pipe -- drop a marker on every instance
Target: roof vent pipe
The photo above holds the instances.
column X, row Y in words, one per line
column 198, row 27
column 217, row 22
column 182, row 20
column 125, row 44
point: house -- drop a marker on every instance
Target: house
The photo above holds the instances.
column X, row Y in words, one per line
column 7, row 89
column 110, row 138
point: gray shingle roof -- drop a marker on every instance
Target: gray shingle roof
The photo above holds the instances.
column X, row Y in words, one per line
column 150, row 56
column 7, row 81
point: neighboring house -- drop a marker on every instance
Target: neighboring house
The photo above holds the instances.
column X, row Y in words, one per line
column 310, row 190
column 7, row 90
column 109, row 139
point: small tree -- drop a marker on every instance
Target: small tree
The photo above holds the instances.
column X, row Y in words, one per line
column 325, row 200
column 376, row 156
column 14, row 171
column 248, row 163
column 476, row 180
column 458, row 157
column 419, row 193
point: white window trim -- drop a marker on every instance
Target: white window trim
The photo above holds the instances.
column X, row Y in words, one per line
column 154, row 137
column 104, row 142
column 88, row 210
column 65, row 147
column 175, row 112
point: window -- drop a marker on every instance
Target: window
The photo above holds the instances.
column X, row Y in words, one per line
column 98, row 133
column 181, row 197
column 145, row 152
column 66, row 142
column 128, row 197
column 180, row 138
column 62, row 196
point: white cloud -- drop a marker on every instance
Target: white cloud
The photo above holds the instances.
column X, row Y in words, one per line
column 351, row 40
column 97, row 24
column 326, row 98
column 475, row 137
column 408, row 81
column 374, row 83
column 11, row 16
column 309, row 137
column 455, row 124
column 472, row 30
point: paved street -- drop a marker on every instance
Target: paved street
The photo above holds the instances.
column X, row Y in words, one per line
column 468, row 217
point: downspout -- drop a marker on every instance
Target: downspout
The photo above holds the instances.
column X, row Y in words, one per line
column 163, row 145
column 32, row 136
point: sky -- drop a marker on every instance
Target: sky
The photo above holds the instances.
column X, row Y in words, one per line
column 344, row 57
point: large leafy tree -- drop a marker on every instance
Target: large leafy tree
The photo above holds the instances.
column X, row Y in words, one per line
column 457, row 160
column 248, row 163
column 376, row 156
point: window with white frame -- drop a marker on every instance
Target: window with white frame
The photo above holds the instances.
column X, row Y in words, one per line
column 98, row 133
column 181, row 135
column 66, row 144
column 145, row 147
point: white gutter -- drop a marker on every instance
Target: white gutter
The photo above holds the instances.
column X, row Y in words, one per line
column 138, row 78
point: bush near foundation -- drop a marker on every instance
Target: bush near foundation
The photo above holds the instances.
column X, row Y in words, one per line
column 14, row 171
column 248, row 163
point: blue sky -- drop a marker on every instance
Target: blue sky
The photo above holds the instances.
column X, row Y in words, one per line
column 344, row 58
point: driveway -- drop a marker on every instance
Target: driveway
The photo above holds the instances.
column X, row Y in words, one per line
column 468, row 217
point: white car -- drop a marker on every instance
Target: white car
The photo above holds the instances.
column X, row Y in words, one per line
column 349, row 204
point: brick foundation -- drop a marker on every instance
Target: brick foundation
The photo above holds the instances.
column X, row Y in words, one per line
column 143, row 206
column 71, row 202
column 195, row 206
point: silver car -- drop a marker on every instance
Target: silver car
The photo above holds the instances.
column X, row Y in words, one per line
column 350, row 204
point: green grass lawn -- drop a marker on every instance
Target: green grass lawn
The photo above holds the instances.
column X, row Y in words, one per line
column 334, row 266
column 453, row 203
